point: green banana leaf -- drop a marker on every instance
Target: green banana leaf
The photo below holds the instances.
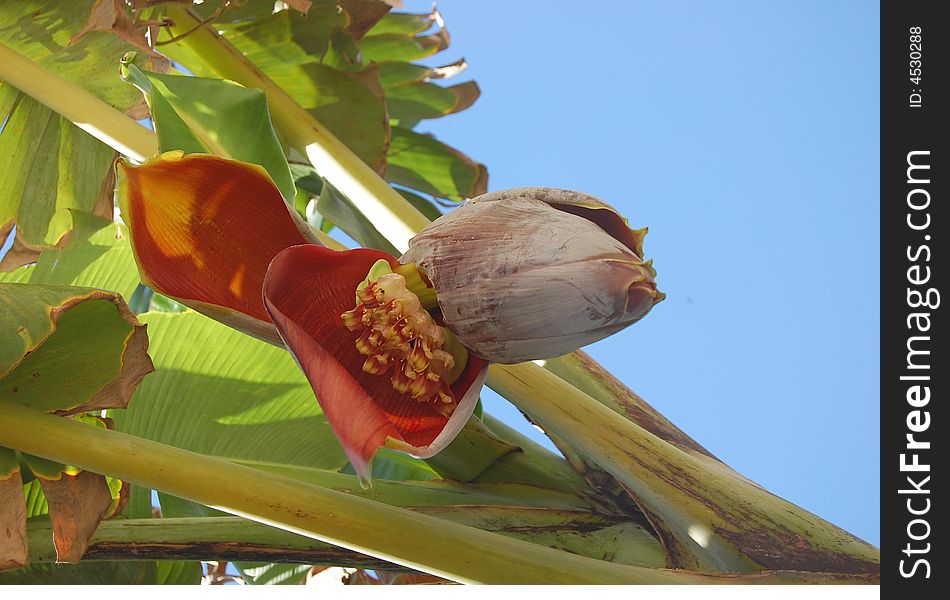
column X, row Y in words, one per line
column 45, row 158
column 48, row 32
column 423, row 163
column 96, row 255
column 48, row 363
column 213, row 116
column 53, row 165
column 222, row 393
column 314, row 60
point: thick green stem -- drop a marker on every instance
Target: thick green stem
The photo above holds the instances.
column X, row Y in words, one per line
column 710, row 518
column 413, row 540
column 583, row 372
column 231, row 538
column 87, row 112
column 430, row 493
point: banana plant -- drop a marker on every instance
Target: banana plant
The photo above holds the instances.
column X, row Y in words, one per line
column 313, row 404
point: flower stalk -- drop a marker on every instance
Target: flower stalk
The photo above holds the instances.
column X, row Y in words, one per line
column 708, row 516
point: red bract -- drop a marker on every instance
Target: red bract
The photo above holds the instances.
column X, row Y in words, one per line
column 217, row 236
column 306, row 290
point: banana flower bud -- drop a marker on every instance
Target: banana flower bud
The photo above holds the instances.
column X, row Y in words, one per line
column 532, row 273
column 516, row 275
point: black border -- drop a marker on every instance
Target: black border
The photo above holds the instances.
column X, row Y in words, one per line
column 905, row 128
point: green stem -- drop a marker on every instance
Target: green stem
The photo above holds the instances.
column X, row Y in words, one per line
column 430, row 493
column 413, row 540
column 108, row 125
column 583, row 372
column 230, row 538
column 709, row 517
column 391, row 214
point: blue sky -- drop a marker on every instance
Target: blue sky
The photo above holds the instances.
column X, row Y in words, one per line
column 746, row 136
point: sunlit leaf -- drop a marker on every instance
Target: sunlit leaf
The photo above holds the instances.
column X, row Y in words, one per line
column 423, row 163
column 314, row 60
column 198, row 115
column 160, row 303
column 33, row 495
column 393, row 74
column 392, row 46
column 301, row 56
column 406, row 24
column 96, row 255
column 411, row 102
column 362, row 125
column 319, row 36
column 399, row 37
column 49, row 167
column 44, row 157
column 47, row 361
column 43, row 31
column 222, row 393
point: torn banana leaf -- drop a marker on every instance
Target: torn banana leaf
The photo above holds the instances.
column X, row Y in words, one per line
column 67, row 351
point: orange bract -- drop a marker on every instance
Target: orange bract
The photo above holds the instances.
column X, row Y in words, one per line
column 205, row 229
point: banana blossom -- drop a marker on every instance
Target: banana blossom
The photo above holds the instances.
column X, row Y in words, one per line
column 396, row 351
